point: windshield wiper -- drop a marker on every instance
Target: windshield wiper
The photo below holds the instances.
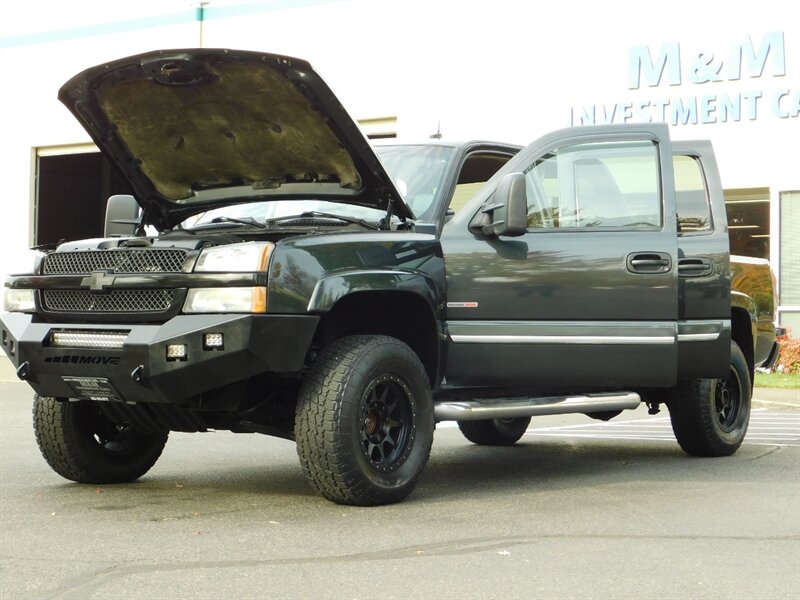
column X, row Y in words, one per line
column 324, row 215
column 243, row 221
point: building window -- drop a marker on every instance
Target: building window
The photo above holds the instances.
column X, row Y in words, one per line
column 790, row 262
column 748, row 221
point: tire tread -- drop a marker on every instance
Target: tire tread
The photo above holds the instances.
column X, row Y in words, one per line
column 56, row 429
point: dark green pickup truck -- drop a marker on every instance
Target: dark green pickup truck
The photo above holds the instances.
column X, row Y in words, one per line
column 276, row 274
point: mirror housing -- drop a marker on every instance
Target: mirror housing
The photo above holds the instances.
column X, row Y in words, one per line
column 122, row 216
column 508, row 214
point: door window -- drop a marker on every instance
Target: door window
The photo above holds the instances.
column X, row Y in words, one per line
column 605, row 185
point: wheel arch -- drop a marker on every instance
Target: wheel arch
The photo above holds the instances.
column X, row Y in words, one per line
column 743, row 327
column 406, row 315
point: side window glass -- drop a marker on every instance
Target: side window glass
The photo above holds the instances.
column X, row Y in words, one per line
column 477, row 169
column 612, row 184
column 691, row 197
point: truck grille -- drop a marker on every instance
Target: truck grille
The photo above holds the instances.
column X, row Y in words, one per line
column 127, row 260
column 116, row 301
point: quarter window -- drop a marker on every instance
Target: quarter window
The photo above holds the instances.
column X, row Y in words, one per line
column 477, row 169
column 606, row 185
column 691, row 199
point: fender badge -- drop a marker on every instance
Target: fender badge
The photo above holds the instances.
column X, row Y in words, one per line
column 462, row 305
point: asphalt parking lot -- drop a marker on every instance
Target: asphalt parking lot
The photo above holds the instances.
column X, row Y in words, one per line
column 578, row 509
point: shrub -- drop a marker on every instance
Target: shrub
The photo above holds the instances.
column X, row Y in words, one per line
column 789, row 355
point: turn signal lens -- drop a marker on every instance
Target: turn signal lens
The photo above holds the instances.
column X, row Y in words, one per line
column 226, row 300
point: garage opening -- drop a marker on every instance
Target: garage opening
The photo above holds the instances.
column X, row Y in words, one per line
column 72, row 188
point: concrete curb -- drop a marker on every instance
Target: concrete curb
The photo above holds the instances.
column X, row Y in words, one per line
column 777, row 398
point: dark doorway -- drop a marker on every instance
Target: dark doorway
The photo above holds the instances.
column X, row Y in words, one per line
column 71, row 195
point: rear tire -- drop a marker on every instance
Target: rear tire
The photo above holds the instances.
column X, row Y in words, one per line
column 495, row 432
column 79, row 443
column 364, row 421
column 710, row 416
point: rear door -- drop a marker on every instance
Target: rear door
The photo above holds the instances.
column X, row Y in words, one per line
column 704, row 280
column 587, row 298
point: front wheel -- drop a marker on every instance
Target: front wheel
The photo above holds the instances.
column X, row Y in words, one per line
column 364, row 422
column 710, row 416
column 495, row 432
column 81, row 444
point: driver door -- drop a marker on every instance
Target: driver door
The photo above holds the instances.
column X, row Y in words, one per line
column 586, row 298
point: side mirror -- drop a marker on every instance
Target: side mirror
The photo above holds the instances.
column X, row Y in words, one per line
column 508, row 214
column 122, row 216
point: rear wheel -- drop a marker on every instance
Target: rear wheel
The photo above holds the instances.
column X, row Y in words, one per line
column 80, row 443
column 364, row 422
column 495, row 432
column 710, row 416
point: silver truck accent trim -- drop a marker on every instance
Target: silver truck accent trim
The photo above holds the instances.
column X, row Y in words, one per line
column 640, row 333
column 701, row 331
column 560, row 339
column 507, row 408
column 697, row 337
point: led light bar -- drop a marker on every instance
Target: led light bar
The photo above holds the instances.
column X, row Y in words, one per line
column 106, row 340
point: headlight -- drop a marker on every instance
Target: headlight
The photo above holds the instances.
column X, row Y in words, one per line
column 250, row 256
column 26, row 262
column 19, row 300
column 226, row 300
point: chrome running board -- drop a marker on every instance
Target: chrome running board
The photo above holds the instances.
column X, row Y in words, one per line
column 507, row 408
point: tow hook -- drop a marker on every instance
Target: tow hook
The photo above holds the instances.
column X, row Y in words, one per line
column 24, row 370
column 138, row 373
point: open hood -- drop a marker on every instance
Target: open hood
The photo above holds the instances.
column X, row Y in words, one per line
column 196, row 129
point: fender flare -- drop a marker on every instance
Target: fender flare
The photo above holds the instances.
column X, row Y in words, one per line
column 332, row 288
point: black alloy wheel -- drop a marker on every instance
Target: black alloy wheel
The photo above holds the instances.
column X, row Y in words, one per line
column 728, row 401
column 387, row 428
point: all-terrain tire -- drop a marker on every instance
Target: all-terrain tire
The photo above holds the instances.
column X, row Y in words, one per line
column 81, row 444
column 710, row 416
column 495, row 432
column 364, row 422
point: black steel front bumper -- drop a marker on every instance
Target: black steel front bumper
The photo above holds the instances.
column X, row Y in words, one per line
column 140, row 371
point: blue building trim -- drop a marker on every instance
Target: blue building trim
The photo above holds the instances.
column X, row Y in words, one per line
column 128, row 25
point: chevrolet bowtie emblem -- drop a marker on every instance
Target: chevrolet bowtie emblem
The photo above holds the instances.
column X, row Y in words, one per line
column 98, row 280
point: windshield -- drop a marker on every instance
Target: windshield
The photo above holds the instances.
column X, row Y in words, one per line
column 417, row 171
column 263, row 211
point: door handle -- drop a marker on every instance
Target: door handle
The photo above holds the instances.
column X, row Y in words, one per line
column 695, row 267
column 649, row 262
